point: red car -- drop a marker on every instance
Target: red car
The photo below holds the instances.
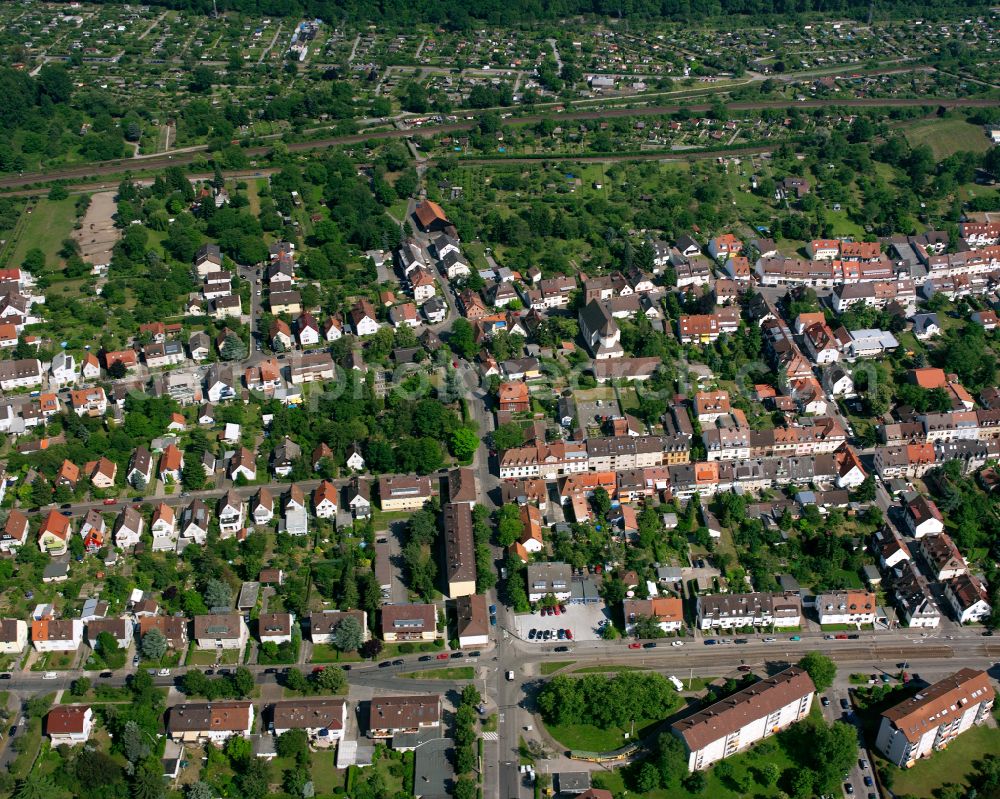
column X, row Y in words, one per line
column 569, row 634
column 110, row 501
column 318, row 669
column 635, row 646
column 443, row 656
column 555, row 610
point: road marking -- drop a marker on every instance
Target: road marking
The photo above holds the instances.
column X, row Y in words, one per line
column 491, row 736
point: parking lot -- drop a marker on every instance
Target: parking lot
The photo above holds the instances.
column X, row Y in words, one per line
column 583, row 621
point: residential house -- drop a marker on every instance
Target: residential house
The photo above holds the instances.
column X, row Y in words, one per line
column 389, row 716
column 284, row 456
column 968, row 598
column 459, row 549
column 363, row 318
column 922, row 517
column 164, row 528
column 262, row 507
column 231, row 513
column 89, row 401
column 275, row 628
column 417, row 622
column 853, row 607
column 212, row 722
column 173, row 628
column 323, row 720
column 942, row 557
column 548, row 580
column 171, row 464
column 13, row 636
column 221, row 631
column 359, row 498
column 101, row 472
column 666, row 612
column 296, row 517
column 752, row 714
column 323, row 624
column 93, row 531
column 737, row 611
column 53, row 535
column 69, row 725
column 513, row 397
column 56, row 635
column 472, row 620
column 15, row 532
column 120, row 629
column 403, row 492
column 243, row 462
column 128, row 528
column 325, row 500
column 934, row 717
column 193, row 525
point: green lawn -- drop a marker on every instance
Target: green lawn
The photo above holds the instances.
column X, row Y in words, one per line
column 207, row 657
column 605, row 669
column 747, row 763
column 454, row 673
column 554, row 665
column 953, row 764
column 326, row 778
column 45, row 227
column 947, row 136
column 410, row 647
column 589, row 738
column 324, row 653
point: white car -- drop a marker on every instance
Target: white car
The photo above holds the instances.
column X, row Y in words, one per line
column 163, row 673
column 50, row 675
column 676, row 643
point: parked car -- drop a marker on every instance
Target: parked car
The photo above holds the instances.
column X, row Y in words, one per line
column 649, row 645
column 457, row 655
column 569, row 634
column 635, row 645
column 443, row 656
column 532, row 633
column 425, row 658
column 825, row 701
column 385, row 664
column 676, row 643
column 710, row 642
column 397, row 663
column 844, row 704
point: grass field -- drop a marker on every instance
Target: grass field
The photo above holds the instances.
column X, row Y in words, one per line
column 951, row 765
column 744, row 766
column 325, row 653
column 947, row 136
column 593, row 739
column 554, row 665
column 324, row 773
column 455, row 673
column 45, row 227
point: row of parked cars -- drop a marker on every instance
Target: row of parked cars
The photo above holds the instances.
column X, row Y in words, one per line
column 547, row 635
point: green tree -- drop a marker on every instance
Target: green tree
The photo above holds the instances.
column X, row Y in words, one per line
column 295, row 680
column 112, row 655
column 199, row 790
column 462, row 339
column 465, row 788
column 154, row 645
column 464, row 443
column 148, row 782
column 80, row 686
column 242, row 680
column 348, row 635
column 218, row 594
column 507, row 436
column 648, row 778
column 193, row 474
column 821, row 669
column 293, row 744
column 330, row 680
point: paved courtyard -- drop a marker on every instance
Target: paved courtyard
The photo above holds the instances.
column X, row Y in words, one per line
column 583, row 620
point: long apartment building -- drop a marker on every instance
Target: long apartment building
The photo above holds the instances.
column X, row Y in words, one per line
column 748, row 716
column 732, row 611
column 933, row 718
column 459, row 550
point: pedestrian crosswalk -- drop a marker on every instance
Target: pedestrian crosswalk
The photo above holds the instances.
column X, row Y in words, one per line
column 491, row 736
